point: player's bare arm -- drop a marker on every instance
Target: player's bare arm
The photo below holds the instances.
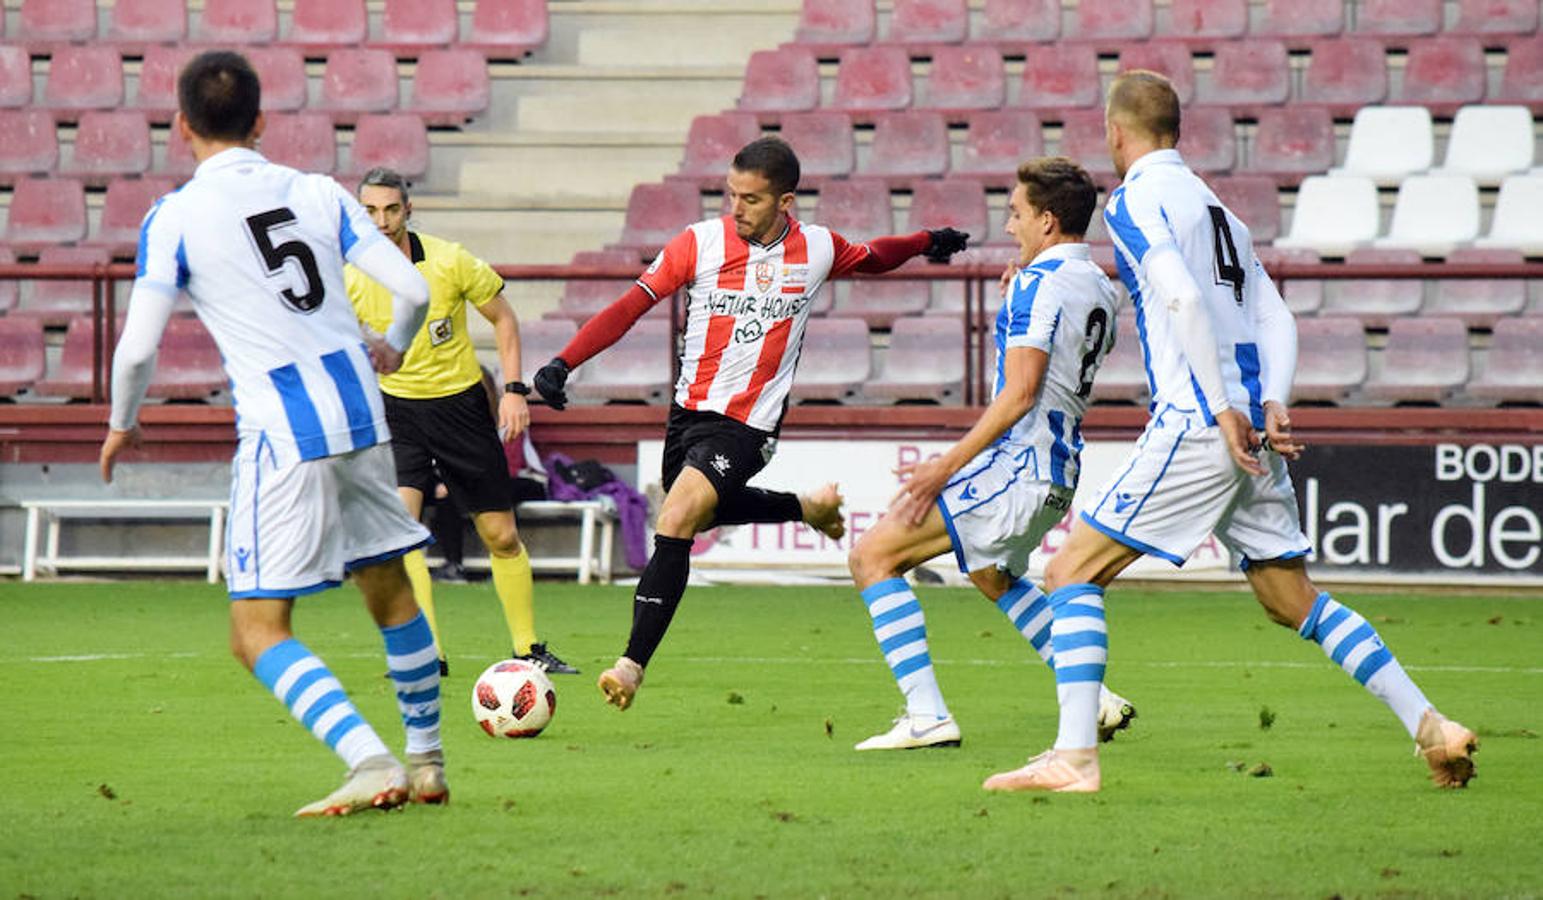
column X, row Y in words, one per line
column 1277, row 431
column 513, row 411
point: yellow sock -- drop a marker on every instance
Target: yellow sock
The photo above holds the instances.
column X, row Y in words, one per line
column 516, row 591
column 423, row 591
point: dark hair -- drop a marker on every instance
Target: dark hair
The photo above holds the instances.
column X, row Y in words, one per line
column 380, row 176
column 219, row 96
column 1145, row 101
column 773, row 159
column 1059, row 186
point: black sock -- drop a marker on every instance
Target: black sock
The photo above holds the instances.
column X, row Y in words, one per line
column 750, row 504
column 658, row 594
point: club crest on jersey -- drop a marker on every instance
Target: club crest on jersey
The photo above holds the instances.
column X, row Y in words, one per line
column 749, row 332
column 765, row 276
column 440, row 330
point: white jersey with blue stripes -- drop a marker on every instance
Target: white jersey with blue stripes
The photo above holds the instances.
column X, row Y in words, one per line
column 259, row 249
column 1162, row 204
column 1063, row 304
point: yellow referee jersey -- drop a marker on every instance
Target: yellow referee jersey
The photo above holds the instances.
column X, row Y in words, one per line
column 441, row 360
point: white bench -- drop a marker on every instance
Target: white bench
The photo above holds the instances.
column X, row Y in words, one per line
column 597, row 519
column 44, row 518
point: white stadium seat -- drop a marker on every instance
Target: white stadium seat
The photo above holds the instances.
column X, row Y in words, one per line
column 1434, row 214
column 1389, row 143
column 1488, row 143
column 1516, row 223
column 1333, row 215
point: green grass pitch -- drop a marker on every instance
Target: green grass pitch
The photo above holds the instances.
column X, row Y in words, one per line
column 141, row 761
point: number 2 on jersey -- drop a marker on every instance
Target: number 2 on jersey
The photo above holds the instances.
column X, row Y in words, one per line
column 274, row 258
column 1229, row 269
column 1098, row 324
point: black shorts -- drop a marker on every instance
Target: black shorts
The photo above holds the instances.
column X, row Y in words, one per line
column 727, row 451
column 456, row 436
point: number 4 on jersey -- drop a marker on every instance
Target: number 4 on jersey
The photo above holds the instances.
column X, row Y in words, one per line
column 1229, row 270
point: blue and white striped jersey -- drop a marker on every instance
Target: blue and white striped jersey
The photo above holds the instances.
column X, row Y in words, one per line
column 259, row 248
column 1063, row 304
column 1163, row 204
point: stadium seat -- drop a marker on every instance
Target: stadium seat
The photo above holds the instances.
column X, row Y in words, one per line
column 45, row 25
column 301, row 141
column 951, row 203
column 858, row 209
column 1060, row 76
column 396, row 140
column 1376, row 301
column 156, row 95
column 786, row 79
column 358, row 81
column 1333, row 215
column 582, row 298
column 712, row 142
column 1424, row 361
column 1021, row 21
column 70, row 376
column 1111, row 23
column 873, row 79
column 1398, row 18
column 1303, row 296
column 1434, row 214
column 411, row 26
column 55, row 303
column 1248, row 74
column 835, row 360
column 657, row 212
column 29, row 144
column 1442, row 73
column 1082, row 139
column 178, row 162
column 1389, row 143
column 1293, row 141
column 925, row 361
column 1516, row 223
column 137, row 25
column 450, row 87
column 1513, row 371
column 108, row 144
column 1122, row 377
column 922, row 23
column 1480, row 302
column 507, row 29
column 542, row 339
column 22, row 354
column 966, row 78
column 123, row 210
column 1488, row 143
column 1169, row 58
column 81, row 78
column 880, row 302
column 1207, row 21
column 1208, row 141
column 823, row 142
column 1331, row 359
column 8, row 287
column 1253, row 199
column 997, row 141
column 238, row 22
column 1346, row 75
column 908, row 145
column 319, row 25
column 282, row 73
column 15, row 76
column 46, row 211
column 836, row 23
column 188, row 366
column 1495, row 17
column 1296, row 20
column 637, row 367
column 1521, row 81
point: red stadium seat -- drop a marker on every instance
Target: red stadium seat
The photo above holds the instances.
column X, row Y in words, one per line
column 1207, row 20
column 1376, row 302
column 140, row 24
column 1019, row 21
column 55, row 303
column 359, row 81
column 1253, row 199
column 1122, row 378
column 1248, row 73
column 396, row 141
column 1292, row 142
column 1446, row 72
column 1060, row 76
column 81, row 78
column 1496, row 17
column 451, row 86
column 29, row 144
column 835, row 360
column 44, row 25
column 1346, row 75
column 997, row 141
column 924, row 22
column 542, row 339
column 238, row 22
column 925, row 361
column 951, row 203
column 1331, row 359
column 22, row 354
column 123, row 211
column 1480, row 302
column 70, row 377
column 857, row 209
column 109, row 144
column 1521, row 81
column 178, row 162
column 636, row 368
column 327, row 24
column 1513, row 372
column 507, row 29
column 783, row 80
column 1425, row 361
column 409, row 26
column 157, row 93
column 823, row 142
column 46, row 211
column 712, row 142
column 657, row 212
column 8, row 290
column 835, row 23
column 880, row 303
column 965, row 78
column 1398, row 18
column 301, row 141
column 1082, row 139
column 1110, row 23
column 282, row 73
column 908, row 145
column 583, row 298
column 1296, row 20
column 1208, row 139
column 1169, row 58
column 15, row 76
column 188, row 366
column 873, row 79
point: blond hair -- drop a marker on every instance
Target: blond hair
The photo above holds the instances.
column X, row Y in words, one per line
column 1145, row 102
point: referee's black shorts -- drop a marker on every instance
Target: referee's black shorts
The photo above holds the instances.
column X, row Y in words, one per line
column 456, row 435
column 726, row 450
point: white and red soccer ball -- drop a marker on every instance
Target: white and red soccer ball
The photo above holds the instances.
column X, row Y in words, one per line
column 513, row 698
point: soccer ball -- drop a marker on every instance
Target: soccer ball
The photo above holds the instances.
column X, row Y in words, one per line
column 513, row 699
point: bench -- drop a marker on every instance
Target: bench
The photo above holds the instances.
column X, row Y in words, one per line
column 597, row 519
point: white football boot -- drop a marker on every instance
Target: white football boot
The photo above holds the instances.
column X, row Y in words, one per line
column 426, row 777
column 1114, row 714
column 379, row 782
column 911, row 732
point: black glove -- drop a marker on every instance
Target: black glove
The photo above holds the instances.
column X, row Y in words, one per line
column 945, row 243
column 549, row 381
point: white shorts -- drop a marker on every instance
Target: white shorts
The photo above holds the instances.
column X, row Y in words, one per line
column 1180, row 484
column 297, row 529
column 996, row 513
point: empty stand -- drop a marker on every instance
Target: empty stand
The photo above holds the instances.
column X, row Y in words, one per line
column 925, row 361
column 70, row 376
column 1207, row 21
column 1333, row 215
column 1495, row 17
column 29, row 144
column 8, row 287
column 1122, row 377
column 1425, row 361
column 637, row 367
column 951, row 203
column 1516, row 223
column 301, row 141
column 583, row 298
column 57, row 302
column 786, row 79
column 359, row 81
column 1109, row 23
column 1389, row 143
column 834, row 23
column 81, row 78
column 1513, row 372
column 823, row 142
column 396, row 140
column 156, row 95
column 857, row 209
column 1293, row 141
column 1303, row 296
column 873, row 79
column 1253, row 199
column 926, row 22
column 542, row 339
column 1345, row 75
column 908, row 145
column 1208, row 141
column 997, row 141
column 22, row 354
column 1082, row 139
column 139, row 24
column 1521, row 81
column 282, row 73
column 1443, row 72
column 1331, row 359
column 44, row 25
column 1488, row 143
column 507, row 29
column 834, row 361
column 1434, row 214
column 319, row 25
column 1060, row 76
column 656, row 212
column 712, row 142
column 1018, row 21
column 1480, row 302
column 1248, row 73
column 15, row 76
column 109, row 144
column 411, row 26
column 188, row 366
column 1169, row 58
column 238, row 22
column 1297, row 20
column 1376, row 301
column 178, row 162
column 880, row 303
column 46, row 211
column 1398, row 18
column 451, row 87
column 965, row 78
column 123, row 210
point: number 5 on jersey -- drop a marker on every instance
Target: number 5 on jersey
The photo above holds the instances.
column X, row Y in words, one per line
column 274, row 257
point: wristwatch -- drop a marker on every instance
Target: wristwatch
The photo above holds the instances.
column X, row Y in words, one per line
column 517, row 387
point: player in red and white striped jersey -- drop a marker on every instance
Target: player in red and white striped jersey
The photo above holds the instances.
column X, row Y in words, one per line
column 750, row 278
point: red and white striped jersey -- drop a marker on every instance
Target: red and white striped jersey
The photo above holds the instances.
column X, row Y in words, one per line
column 746, row 308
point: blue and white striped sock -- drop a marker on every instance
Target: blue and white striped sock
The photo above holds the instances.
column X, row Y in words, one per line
column 303, row 683
column 413, row 661
column 1354, row 645
column 1081, row 642
column 1028, row 608
column 901, row 631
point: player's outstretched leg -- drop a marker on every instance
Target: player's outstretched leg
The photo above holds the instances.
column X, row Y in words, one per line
column 410, row 659
column 822, row 511
column 901, row 630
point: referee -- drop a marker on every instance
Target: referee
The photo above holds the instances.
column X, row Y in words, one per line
column 439, row 414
